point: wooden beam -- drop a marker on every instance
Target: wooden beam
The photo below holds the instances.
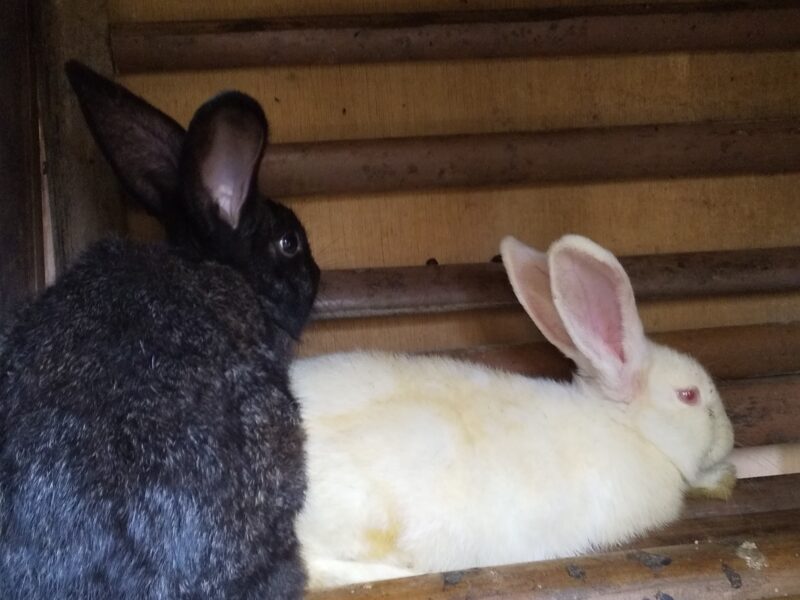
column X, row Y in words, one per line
column 725, row 524
column 501, row 159
column 750, row 497
column 740, row 352
column 760, row 562
column 765, row 461
column 745, row 26
column 21, row 257
column 85, row 203
column 764, row 410
column 348, row 293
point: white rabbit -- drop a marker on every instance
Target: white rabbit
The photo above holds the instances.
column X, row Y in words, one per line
column 422, row 464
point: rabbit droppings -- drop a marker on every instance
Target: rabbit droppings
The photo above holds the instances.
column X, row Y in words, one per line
column 425, row 464
column 151, row 448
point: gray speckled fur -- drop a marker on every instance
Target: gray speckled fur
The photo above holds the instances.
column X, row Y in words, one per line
column 149, row 444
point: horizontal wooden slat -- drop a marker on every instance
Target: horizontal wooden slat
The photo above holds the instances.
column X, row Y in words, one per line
column 751, row 496
column 458, row 35
column 745, row 351
column 716, row 526
column 763, row 411
column 762, row 561
column 589, row 154
column 766, row 461
column 347, row 293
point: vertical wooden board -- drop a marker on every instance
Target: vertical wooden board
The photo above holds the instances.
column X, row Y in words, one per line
column 84, row 197
column 21, row 264
column 430, row 98
column 178, row 10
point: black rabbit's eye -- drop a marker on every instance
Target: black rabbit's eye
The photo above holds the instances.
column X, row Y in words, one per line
column 289, row 244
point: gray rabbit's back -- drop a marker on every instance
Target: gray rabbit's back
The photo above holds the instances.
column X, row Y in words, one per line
column 148, row 395
column 150, row 447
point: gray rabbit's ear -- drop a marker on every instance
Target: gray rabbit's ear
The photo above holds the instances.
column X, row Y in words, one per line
column 142, row 144
column 223, row 150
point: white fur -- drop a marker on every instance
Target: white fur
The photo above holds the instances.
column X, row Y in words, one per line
column 422, row 464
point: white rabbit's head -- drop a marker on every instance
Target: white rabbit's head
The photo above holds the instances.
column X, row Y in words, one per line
column 581, row 299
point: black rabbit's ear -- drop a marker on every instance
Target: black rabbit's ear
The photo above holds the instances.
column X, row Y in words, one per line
column 142, row 144
column 222, row 153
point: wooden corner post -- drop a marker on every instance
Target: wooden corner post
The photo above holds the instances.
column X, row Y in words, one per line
column 84, row 199
column 21, row 264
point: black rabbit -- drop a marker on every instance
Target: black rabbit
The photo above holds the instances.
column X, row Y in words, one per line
column 149, row 444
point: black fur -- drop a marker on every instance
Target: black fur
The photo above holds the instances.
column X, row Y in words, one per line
column 150, row 447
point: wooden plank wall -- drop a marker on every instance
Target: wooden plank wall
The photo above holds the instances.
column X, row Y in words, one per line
column 21, row 266
column 84, row 203
column 314, row 103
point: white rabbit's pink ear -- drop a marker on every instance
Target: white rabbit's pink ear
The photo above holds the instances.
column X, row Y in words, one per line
column 529, row 275
column 594, row 298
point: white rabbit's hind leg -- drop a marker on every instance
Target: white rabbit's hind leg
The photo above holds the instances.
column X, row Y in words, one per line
column 327, row 573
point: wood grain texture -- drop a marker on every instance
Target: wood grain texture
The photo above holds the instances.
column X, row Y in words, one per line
column 21, row 257
column 762, row 461
column 352, row 293
column 751, row 496
column 746, row 351
column 588, row 154
column 466, row 226
column 347, row 102
column 723, row 522
column 460, row 35
column 173, row 10
column 444, row 331
column 763, row 411
column 84, row 198
column 704, row 570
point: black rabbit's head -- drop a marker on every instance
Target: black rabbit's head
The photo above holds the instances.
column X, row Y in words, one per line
column 201, row 184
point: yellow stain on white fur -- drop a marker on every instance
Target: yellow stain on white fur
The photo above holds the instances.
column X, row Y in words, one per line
column 721, row 491
column 411, row 400
column 382, row 542
column 445, row 400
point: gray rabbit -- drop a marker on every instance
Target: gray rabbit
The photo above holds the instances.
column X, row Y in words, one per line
column 149, row 444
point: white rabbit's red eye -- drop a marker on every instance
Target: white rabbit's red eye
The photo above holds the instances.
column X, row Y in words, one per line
column 690, row 396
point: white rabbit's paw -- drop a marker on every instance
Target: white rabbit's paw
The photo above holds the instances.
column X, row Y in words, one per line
column 717, row 482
